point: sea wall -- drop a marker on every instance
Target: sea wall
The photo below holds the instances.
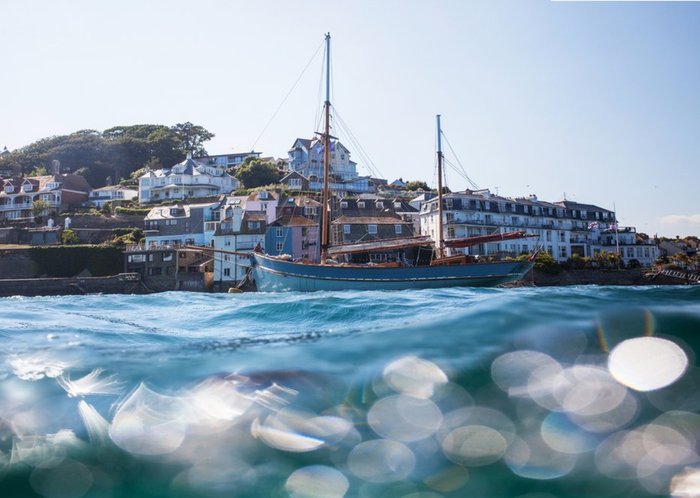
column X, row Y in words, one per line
column 124, row 283
column 588, row 277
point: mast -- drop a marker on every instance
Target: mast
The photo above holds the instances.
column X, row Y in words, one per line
column 440, row 242
column 326, row 156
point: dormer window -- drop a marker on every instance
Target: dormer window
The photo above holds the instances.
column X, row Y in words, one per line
column 397, row 205
column 9, row 189
column 380, row 205
column 343, row 204
column 263, row 194
column 361, row 204
column 27, row 187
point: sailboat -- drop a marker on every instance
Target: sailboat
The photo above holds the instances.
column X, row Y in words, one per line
column 276, row 274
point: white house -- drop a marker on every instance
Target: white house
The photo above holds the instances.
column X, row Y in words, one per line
column 115, row 194
column 188, row 179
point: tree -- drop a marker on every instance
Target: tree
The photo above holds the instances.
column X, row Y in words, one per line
column 417, row 185
column 254, row 172
column 191, row 138
column 39, row 209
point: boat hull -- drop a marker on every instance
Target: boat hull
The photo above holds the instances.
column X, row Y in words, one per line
column 275, row 275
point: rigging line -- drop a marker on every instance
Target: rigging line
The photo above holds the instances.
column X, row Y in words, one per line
column 460, row 172
column 319, row 99
column 476, row 187
column 274, row 115
column 370, row 164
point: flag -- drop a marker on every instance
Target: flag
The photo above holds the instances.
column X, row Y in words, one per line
column 593, row 225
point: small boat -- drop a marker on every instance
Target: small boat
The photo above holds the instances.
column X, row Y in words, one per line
column 277, row 274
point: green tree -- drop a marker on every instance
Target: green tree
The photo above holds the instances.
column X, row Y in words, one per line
column 254, row 172
column 191, row 138
column 417, row 185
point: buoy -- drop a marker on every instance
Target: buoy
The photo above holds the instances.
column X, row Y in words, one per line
column 234, row 290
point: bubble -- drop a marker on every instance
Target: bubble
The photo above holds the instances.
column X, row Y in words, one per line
column 587, row 390
column 404, row 418
column 611, row 420
column 480, row 416
column 381, row 461
column 91, row 384
column 511, row 371
column 619, row 455
column 686, row 484
column 300, row 432
column 70, row 479
column 560, row 434
column 474, row 445
column 317, row 481
column 148, row 423
column 414, row 376
column 647, row 363
column 530, row 457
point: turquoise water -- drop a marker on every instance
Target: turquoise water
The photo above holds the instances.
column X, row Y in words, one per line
column 529, row 392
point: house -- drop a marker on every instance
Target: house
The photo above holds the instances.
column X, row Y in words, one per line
column 295, row 235
column 265, row 201
column 296, row 181
column 18, row 195
column 188, row 179
column 240, row 231
column 114, row 194
column 178, row 225
column 306, row 157
column 227, row 161
column 349, row 229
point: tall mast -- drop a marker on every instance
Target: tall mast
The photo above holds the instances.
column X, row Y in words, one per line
column 440, row 239
column 326, row 155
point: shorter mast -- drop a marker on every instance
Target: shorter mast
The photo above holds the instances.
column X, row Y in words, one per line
column 325, row 222
column 440, row 241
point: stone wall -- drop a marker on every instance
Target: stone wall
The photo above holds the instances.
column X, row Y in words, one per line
column 124, row 283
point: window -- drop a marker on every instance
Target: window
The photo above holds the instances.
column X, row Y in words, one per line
column 346, row 229
column 343, row 205
column 253, row 225
column 380, row 205
column 280, row 232
column 227, row 241
column 372, row 229
column 280, row 247
column 295, row 182
column 227, row 272
column 397, row 229
column 361, row 204
column 562, row 252
column 263, row 195
column 155, row 271
column 167, row 256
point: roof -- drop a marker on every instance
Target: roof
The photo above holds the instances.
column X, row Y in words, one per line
column 369, row 220
column 175, row 211
column 110, row 188
column 293, row 221
column 271, row 195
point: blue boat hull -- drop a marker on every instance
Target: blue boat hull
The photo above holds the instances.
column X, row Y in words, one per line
column 275, row 275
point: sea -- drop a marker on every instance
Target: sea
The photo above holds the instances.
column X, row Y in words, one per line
column 586, row 391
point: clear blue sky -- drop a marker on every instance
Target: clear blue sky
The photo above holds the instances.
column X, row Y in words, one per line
column 598, row 101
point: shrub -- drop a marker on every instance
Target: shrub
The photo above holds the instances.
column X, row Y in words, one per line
column 69, row 237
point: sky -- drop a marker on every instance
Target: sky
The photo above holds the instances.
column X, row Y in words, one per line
column 595, row 102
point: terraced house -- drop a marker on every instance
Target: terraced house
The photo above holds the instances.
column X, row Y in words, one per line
column 563, row 228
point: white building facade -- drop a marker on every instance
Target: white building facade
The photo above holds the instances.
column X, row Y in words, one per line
column 185, row 180
column 563, row 229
